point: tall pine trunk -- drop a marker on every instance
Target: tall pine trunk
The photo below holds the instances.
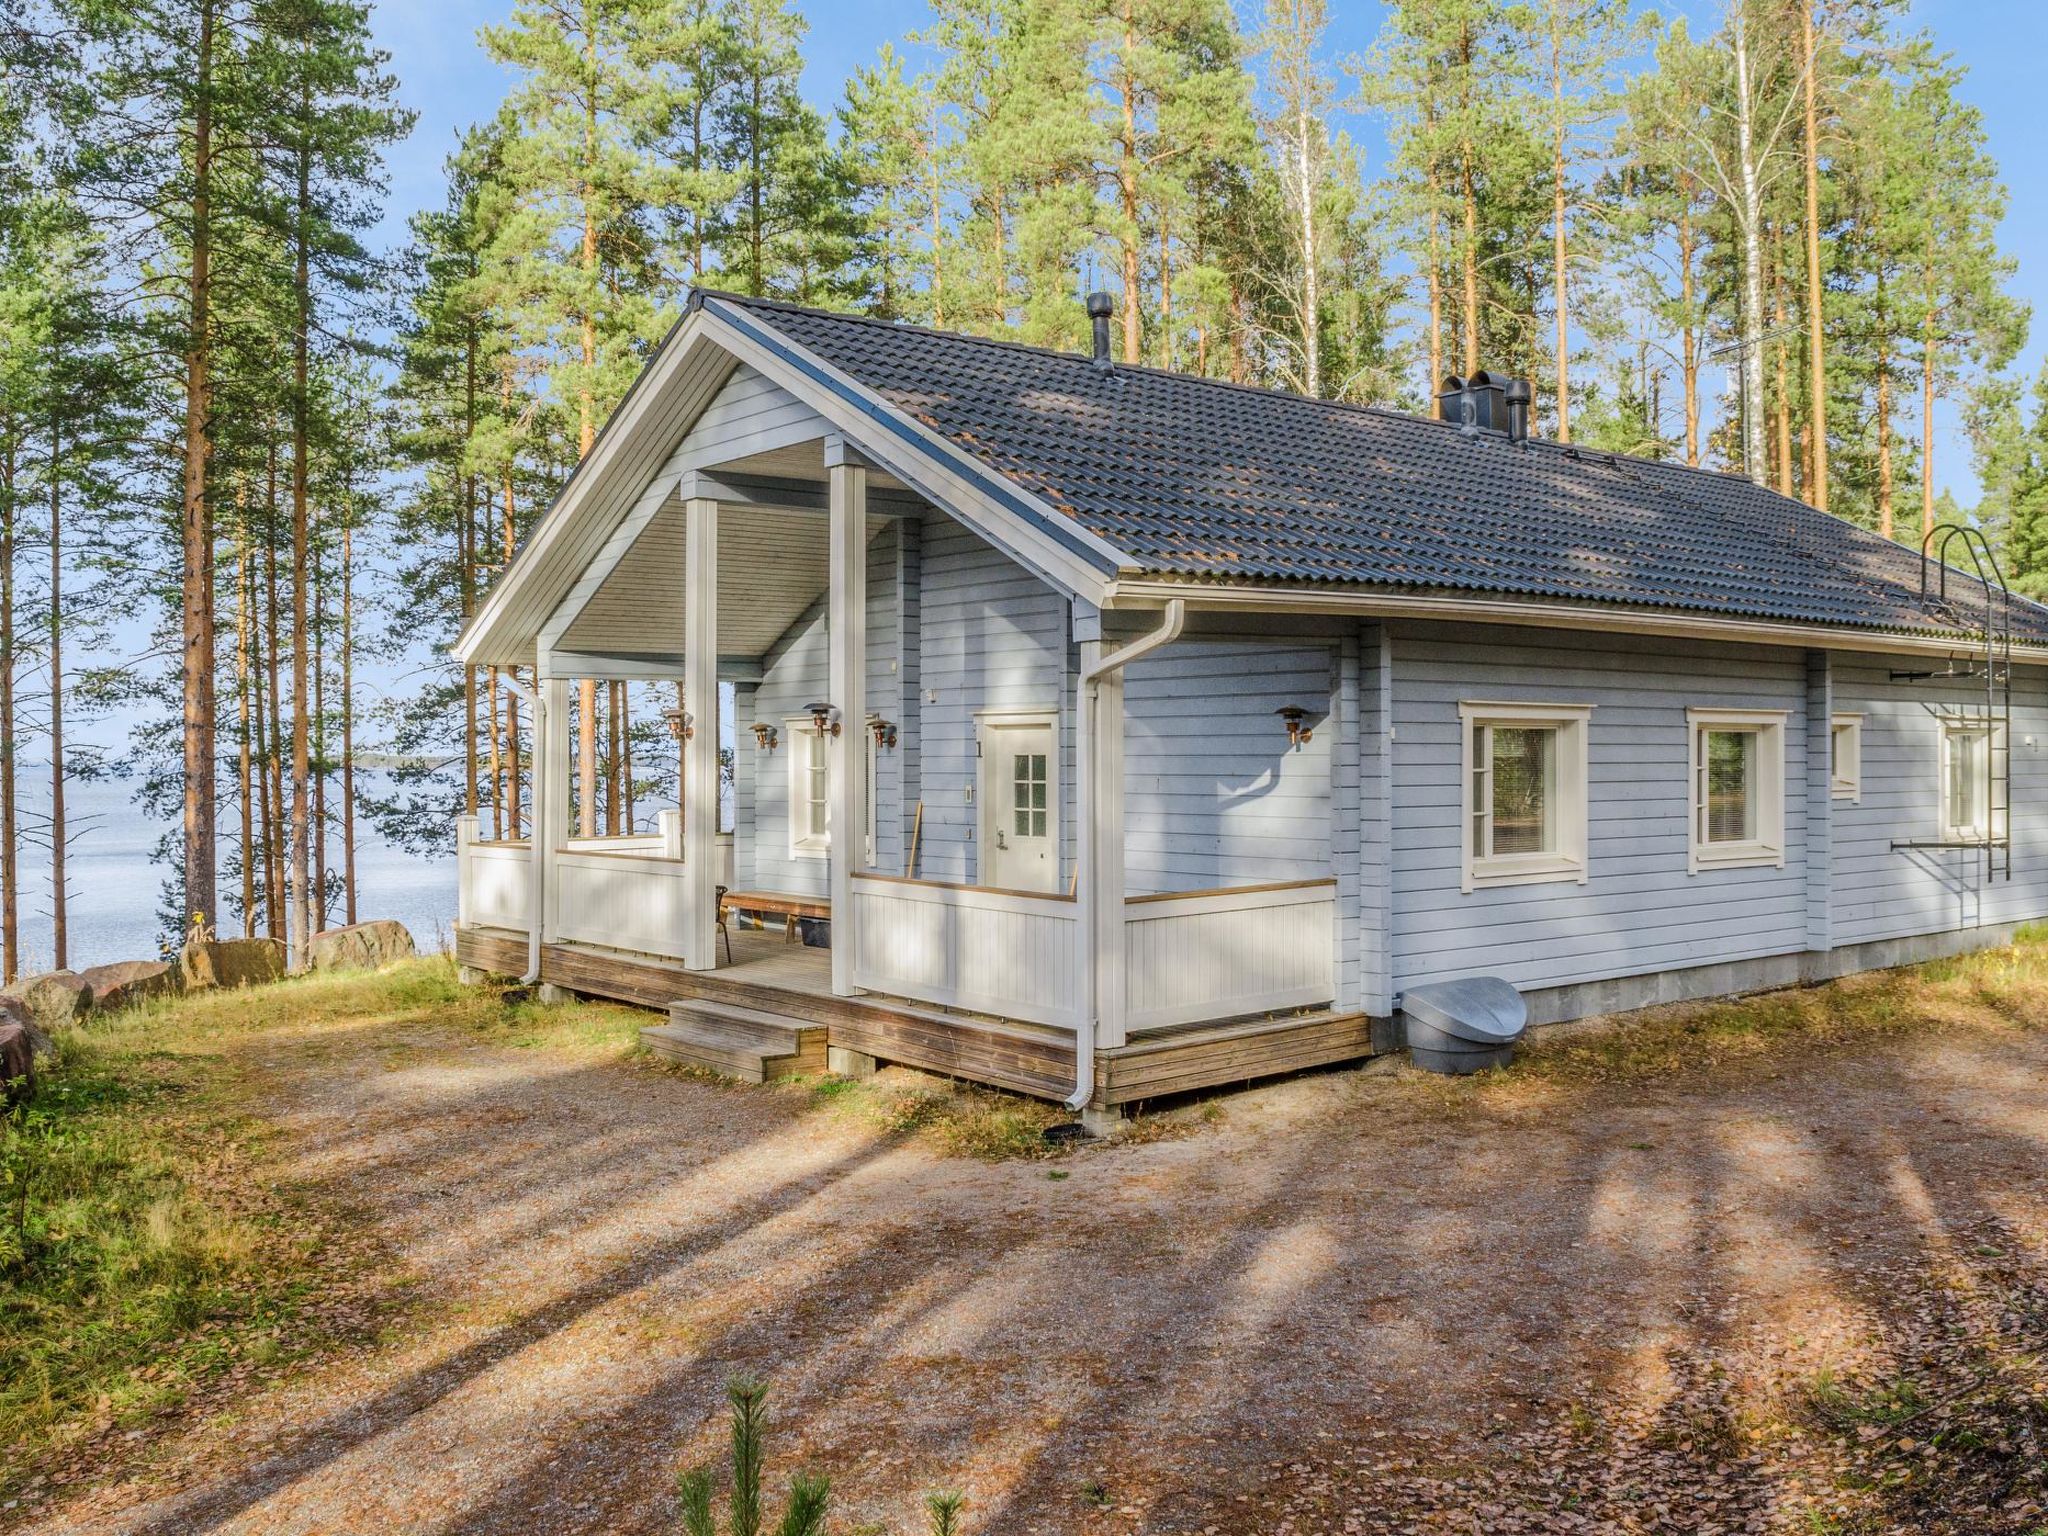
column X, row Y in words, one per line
column 1884, row 417
column 10, row 842
column 280, row 848
column 1688, row 248
column 348, row 714
column 196, row 575
column 246, row 763
column 1751, row 221
column 1817, row 375
column 1929, row 358
column 1127, row 189
column 1559, row 298
column 60, row 927
column 301, row 929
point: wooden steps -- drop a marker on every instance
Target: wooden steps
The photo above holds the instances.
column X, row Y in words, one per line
column 743, row 1043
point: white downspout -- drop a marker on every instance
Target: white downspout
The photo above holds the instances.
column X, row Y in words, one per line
column 536, row 699
column 1169, row 629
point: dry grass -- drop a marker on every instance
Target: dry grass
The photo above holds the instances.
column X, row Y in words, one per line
column 1996, row 989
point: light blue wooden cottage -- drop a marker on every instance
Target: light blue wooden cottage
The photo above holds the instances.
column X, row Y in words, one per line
column 1130, row 733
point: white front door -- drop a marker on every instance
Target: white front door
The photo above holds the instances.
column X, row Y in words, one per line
column 1020, row 800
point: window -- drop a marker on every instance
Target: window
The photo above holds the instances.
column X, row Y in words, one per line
column 1973, row 798
column 1524, row 800
column 1738, row 787
column 1845, row 757
column 810, row 803
column 810, row 788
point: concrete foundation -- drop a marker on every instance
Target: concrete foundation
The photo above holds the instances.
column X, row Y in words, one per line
column 845, row 1063
column 1102, row 1122
column 548, row 992
column 1765, row 973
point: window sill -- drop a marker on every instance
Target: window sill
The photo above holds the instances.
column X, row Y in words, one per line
column 1533, row 870
column 1736, row 856
column 1849, row 792
column 810, row 850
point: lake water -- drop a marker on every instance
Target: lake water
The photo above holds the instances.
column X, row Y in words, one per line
column 116, row 890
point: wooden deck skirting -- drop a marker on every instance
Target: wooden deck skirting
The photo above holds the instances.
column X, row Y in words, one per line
column 1034, row 1060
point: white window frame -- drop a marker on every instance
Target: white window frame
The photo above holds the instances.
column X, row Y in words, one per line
column 1768, row 846
column 1997, row 817
column 1568, row 862
column 1845, row 767
column 800, row 733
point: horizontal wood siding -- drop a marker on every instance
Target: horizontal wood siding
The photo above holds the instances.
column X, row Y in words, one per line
column 1883, row 893
column 1213, row 794
column 994, row 952
column 992, row 636
column 1639, row 911
column 1229, row 954
column 793, row 675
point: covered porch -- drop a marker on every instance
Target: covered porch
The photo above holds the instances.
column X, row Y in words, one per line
column 920, row 743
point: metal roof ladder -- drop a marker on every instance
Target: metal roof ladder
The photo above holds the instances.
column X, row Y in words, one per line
column 1990, row 663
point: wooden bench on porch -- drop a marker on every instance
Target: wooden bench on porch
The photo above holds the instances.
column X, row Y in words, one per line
column 775, row 904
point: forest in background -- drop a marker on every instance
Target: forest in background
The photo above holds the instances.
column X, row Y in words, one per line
column 227, row 420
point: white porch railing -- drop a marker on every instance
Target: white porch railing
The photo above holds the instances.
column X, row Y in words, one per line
column 1188, row 956
column 494, row 887
column 1009, row 953
column 620, row 901
column 1228, row 953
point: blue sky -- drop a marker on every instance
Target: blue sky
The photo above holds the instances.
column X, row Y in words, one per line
column 446, row 77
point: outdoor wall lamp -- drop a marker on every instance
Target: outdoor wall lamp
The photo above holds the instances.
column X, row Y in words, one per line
column 824, row 718
column 765, row 735
column 1294, row 715
column 679, row 723
column 885, row 732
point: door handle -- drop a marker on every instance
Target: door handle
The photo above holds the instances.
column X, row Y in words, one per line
column 1000, row 843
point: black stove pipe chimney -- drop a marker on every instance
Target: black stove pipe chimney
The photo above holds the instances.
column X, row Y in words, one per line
column 1517, row 396
column 1100, row 307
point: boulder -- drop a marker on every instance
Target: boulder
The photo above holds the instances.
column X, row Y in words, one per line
column 230, row 963
column 53, row 1000
column 128, row 982
column 359, row 947
column 17, row 1064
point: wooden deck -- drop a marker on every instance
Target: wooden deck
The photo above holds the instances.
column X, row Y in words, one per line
column 795, row 982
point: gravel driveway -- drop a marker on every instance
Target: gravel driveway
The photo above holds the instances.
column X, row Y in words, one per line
column 1349, row 1303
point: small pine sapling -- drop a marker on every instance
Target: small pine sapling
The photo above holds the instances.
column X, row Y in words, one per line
column 804, row 1515
column 944, row 1509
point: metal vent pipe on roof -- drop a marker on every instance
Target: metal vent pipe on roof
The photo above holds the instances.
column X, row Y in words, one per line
column 1517, row 396
column 1100, row 307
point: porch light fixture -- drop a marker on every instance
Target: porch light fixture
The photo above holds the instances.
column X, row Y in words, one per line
column 679, row 723
column 885, row 732
column 1294, row 715
column 824, row 718
column 765, row 736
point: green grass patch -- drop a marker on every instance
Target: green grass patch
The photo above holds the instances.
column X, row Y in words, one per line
column 148, row 1248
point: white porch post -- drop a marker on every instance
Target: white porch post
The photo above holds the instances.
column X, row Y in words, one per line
column 847, row 632
column 550, row 808
column 700, row 750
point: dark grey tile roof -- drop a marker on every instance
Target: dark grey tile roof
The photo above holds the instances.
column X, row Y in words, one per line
column 1201, row 479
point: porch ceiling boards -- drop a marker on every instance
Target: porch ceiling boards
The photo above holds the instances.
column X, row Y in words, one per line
column 771, row 570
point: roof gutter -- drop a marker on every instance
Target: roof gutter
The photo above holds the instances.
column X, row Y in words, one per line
column 1170, row 626
column 1219, row 598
